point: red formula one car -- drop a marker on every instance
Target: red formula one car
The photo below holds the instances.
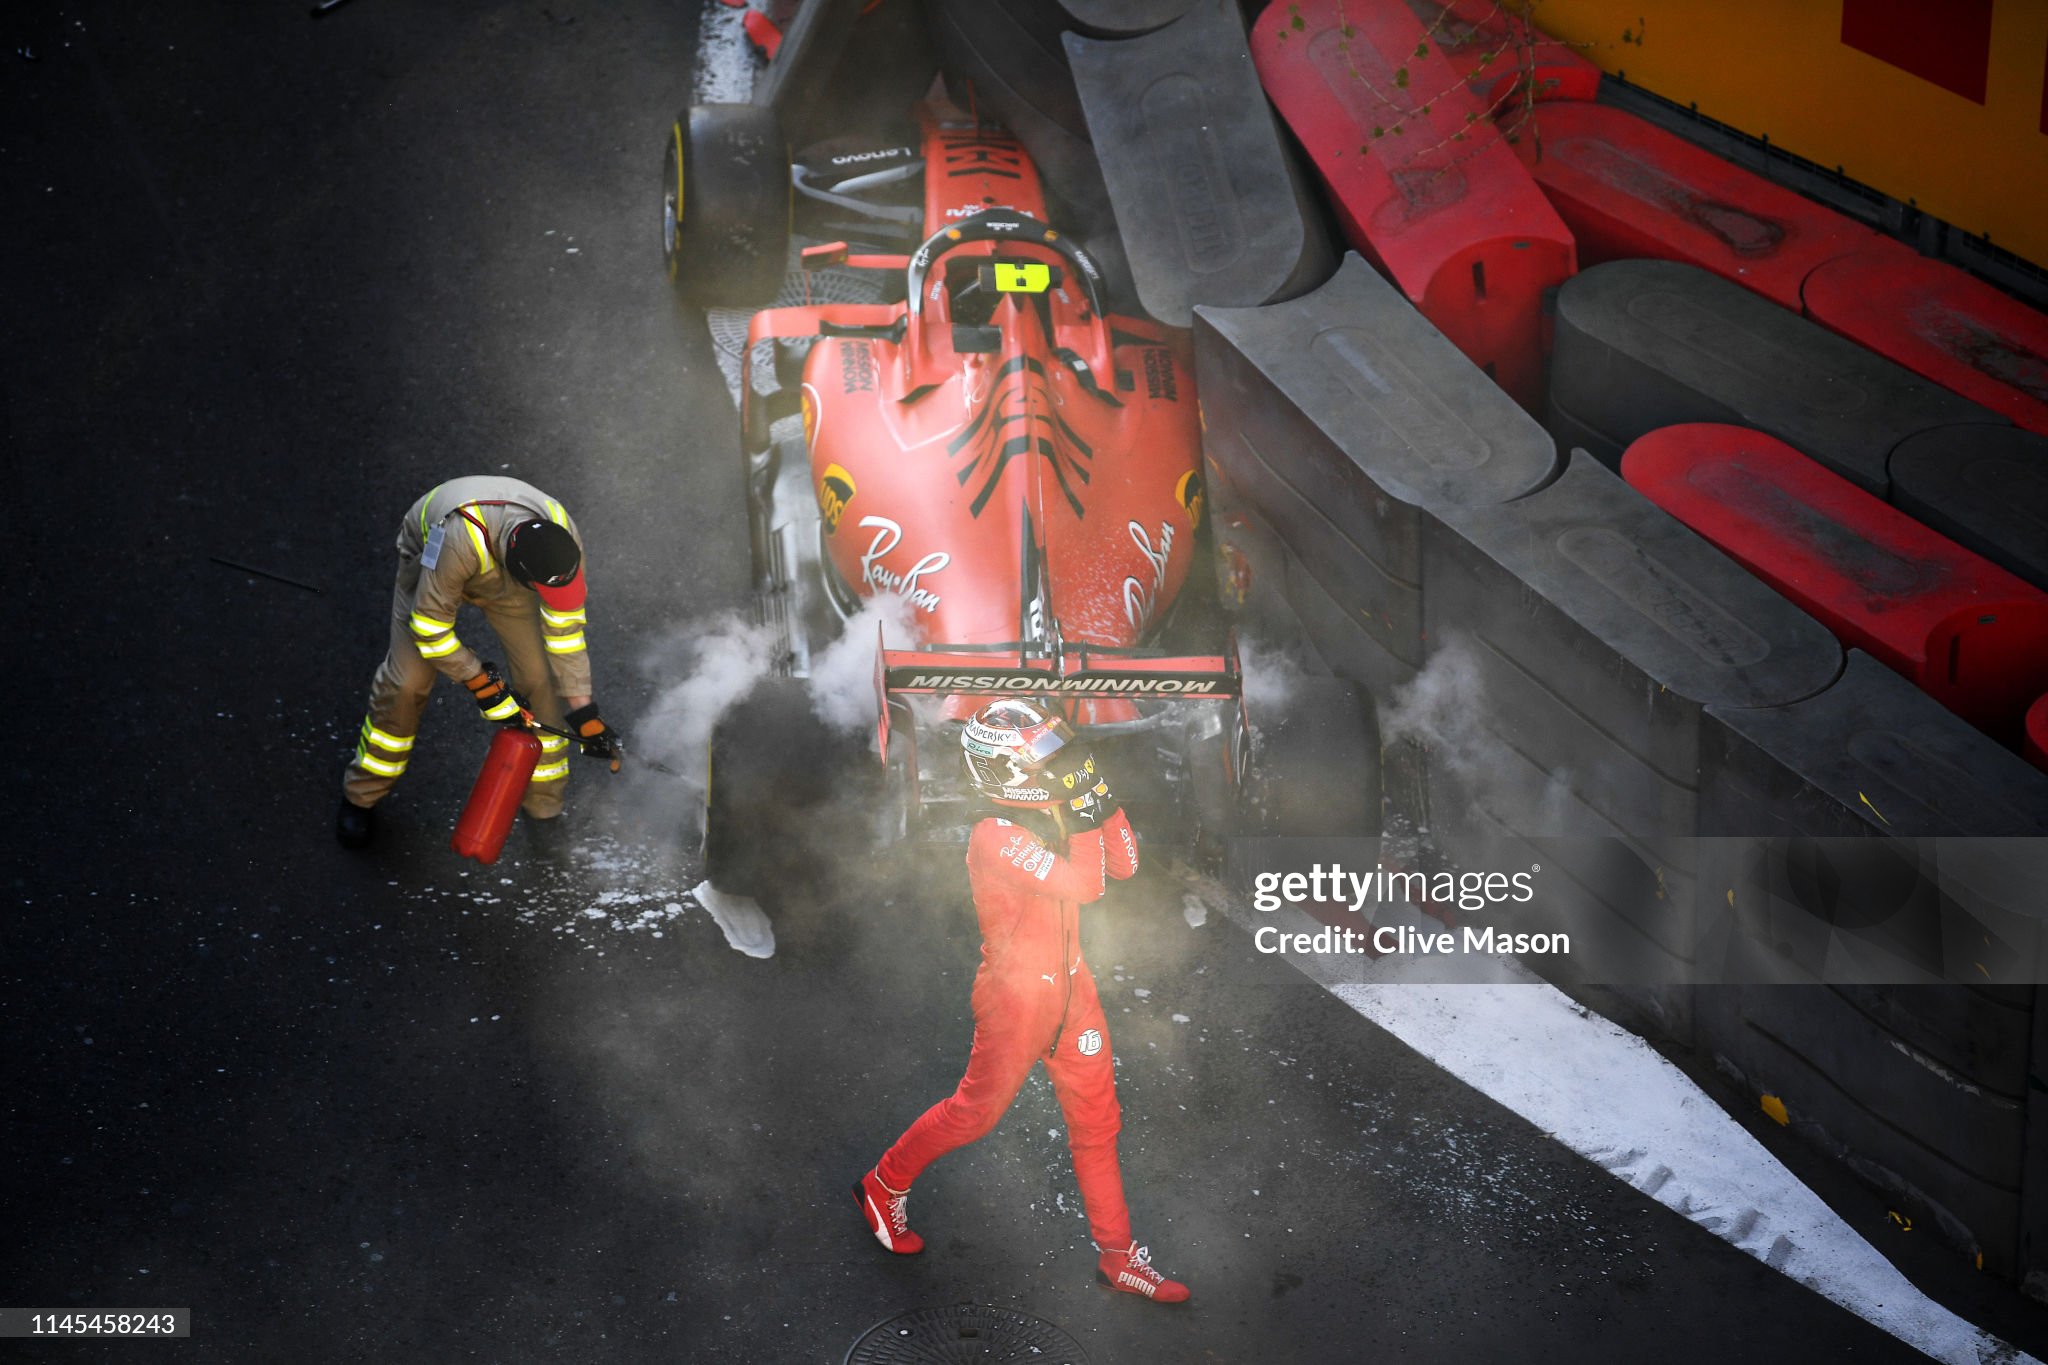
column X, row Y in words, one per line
column 993, row 446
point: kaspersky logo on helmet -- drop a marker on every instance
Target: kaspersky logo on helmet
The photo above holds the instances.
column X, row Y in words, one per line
column 1005, row 745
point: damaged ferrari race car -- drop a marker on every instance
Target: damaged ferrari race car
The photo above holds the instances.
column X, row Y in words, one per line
column 1014, row 462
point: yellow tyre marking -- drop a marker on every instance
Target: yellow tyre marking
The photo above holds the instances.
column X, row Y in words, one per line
column 675, row 254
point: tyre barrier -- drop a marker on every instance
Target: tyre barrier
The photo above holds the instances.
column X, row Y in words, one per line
column 1942, row 324
column 1963, row 630
column 1629, row 190
column 1921, row 1090
column 1346, row 418
column 1209, row 203
column 1437, row 200
column 1985, row 487
column 1870, row 755
column 1617, row 676
column 1942, row 1130
column 1122, row 18
column 1939, row 899
column 1648, row 344
column 1495, row 52
column 1588, row 632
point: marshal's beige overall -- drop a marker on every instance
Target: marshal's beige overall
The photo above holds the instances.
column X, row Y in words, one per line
column 544, row 649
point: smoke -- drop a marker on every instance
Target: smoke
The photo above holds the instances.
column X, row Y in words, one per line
column 1439, row 710
column 1442, row 711
column 719, row 663
column 843, row 673
column 716, row 664
column 1270, row 672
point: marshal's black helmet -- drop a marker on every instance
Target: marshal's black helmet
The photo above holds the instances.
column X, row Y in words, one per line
column 542, row 555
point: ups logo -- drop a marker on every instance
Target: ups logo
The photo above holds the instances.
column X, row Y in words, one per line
column 835, row 490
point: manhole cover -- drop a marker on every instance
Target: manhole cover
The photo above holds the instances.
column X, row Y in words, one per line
column 962, row 1334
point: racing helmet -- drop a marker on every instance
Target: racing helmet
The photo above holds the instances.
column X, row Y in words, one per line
column 1008, row 744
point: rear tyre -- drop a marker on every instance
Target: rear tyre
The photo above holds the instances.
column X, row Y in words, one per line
column 787, row 793
column 725, row 205
column 1315, row 764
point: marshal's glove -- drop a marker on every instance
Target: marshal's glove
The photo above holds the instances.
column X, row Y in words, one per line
column 497, row 701
column 599, row 740
column 1085, row 794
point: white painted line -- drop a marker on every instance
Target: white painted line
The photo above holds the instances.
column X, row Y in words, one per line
column 1607, row 1095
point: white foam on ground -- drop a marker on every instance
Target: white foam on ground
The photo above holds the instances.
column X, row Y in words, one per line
column 725, row 61
column 740, row 918
column 1607, row 1095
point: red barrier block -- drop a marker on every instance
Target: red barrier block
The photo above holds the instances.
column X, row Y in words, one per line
column 2035, row 745
column 1628, row 189
column 1971, row 635
column 1488, row 47
column 1942, row 323
column 1437, row 200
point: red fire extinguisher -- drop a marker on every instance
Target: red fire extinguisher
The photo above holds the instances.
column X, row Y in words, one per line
column 494, row 800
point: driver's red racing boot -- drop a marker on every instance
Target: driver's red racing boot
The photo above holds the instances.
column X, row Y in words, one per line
column 888, row 1215
column 1129, row 1271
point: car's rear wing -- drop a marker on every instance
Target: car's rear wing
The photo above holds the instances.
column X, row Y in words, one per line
column 1071, row 672
column 1190, row 677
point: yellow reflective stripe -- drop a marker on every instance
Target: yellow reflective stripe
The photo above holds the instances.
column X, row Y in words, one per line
column 556, row 514
column 425, row 503
column 436, row 649
column 427, row 625
column 563, row 644
column 552, row 743
column 551, row 772
column 562, row 618
column 378, row 765
column 505, row 709
column 483, row 547
column 391, row 743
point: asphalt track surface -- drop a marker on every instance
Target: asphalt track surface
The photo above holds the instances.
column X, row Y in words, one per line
column 271, row 278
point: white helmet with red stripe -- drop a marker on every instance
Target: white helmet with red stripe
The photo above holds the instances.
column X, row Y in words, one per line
column 1008, row 744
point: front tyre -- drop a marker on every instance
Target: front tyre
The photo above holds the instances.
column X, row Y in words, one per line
column 725, row 206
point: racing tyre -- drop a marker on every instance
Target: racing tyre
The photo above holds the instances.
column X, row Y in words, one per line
column 725, row 206
column 1315, row 764
column 785, row 790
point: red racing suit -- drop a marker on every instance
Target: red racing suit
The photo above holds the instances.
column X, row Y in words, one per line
column 1035, row 1000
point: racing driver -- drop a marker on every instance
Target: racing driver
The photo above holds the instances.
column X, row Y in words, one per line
column 1034, row 998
